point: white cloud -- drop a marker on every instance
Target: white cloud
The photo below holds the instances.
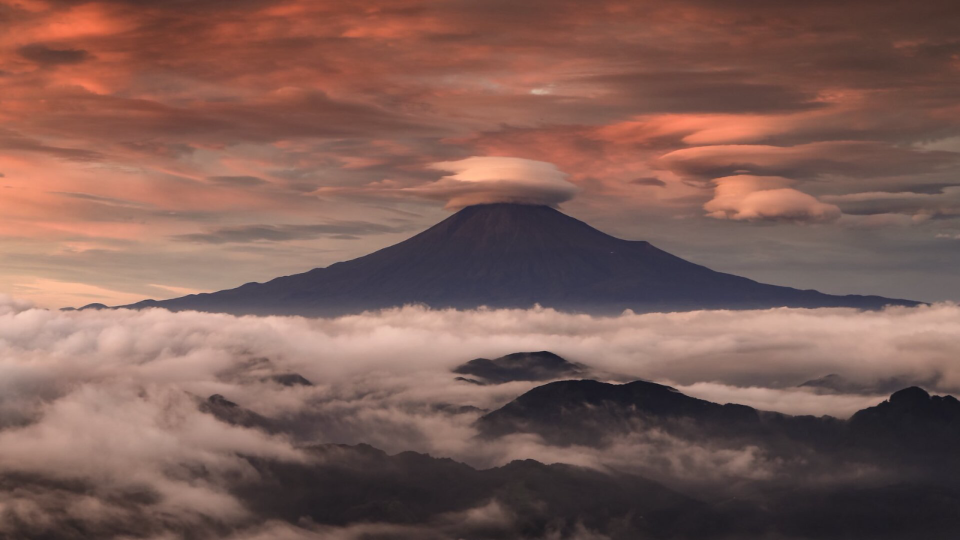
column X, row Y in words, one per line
column 479, row 180
column 110, row 397
column 766, row 198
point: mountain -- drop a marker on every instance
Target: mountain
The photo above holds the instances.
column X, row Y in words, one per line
column 511, row 256
column 94, row 306
column 344, row 484
column 590, row 413
column 911, row 431
column 425, row 497
column 838, row 384
column 521, row 366
column 227, row 411
column 410, row 496
column 914, row 423
column 684, row 468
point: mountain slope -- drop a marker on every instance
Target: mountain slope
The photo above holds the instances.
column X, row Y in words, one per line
column 589, row 413
column 912, row 431
column 349, row 484
column 511, row 255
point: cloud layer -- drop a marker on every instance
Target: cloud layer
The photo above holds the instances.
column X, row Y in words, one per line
column 110, row 400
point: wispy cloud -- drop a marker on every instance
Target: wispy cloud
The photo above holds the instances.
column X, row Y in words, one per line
column 284, row 233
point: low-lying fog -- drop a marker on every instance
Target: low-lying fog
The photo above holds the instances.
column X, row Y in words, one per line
column 110, row 400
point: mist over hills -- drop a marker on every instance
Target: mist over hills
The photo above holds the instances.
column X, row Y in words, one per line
column 511, row 256
column 913, row 432
column 902, row 448
column 152, row 424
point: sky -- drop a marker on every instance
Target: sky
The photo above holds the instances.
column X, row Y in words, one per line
column 154, row 149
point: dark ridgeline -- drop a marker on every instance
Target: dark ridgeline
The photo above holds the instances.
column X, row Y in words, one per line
column 910, row 424
column 591, row 413
column 890, row 471
column 361, row 484
column 582, row 411
column 904, row 449
column 511, row 256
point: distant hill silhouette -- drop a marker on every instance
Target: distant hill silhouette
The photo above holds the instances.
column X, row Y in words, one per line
column 511, row 256
column 890, row 472
column 521, row 366
column 838, row 384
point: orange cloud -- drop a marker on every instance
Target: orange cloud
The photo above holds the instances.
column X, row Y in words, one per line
column 142, row 111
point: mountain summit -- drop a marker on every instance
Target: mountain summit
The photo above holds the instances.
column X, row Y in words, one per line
column 511, row 256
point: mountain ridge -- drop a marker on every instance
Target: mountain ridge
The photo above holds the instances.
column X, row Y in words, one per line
column 911, row 429
column 511, row 256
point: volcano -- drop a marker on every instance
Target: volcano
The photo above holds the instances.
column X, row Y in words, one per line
column 511, row 256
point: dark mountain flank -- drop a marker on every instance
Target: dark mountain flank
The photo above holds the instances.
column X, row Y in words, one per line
column 590, row 413
column 889, row 472
column 350, row 484
column 511, row 256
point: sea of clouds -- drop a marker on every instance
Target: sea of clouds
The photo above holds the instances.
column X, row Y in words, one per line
column 101, row 409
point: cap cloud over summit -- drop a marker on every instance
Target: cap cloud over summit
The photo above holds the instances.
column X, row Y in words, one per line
column 487, row 180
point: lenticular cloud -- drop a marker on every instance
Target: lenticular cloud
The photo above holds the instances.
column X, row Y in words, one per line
column 486, row 180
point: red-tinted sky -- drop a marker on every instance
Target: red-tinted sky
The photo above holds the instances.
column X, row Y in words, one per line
column 148, row 149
